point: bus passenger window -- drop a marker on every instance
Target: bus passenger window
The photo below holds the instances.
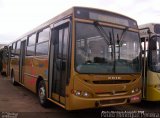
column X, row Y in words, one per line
column 30, row 50
column 31, row 45
column 42, row 49
column 32, row 39
column 18, row 47
column 42, row 46
column 13, row 49
column 43, row 35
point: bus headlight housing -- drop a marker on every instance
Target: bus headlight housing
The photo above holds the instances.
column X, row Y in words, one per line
column 77, row 93
column 82, row 93
column 135, row 90
column 85, row 94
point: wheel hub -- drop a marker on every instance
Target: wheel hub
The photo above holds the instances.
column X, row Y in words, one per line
column 42, row 93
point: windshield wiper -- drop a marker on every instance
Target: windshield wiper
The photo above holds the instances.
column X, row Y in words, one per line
column 120, row 41
column 102, row 32
column 107, row 39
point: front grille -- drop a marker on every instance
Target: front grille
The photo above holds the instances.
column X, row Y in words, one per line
column 111, row 81
column 102, row 94
column 114, row 101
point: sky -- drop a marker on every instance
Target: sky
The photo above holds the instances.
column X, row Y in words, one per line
column 20, row 16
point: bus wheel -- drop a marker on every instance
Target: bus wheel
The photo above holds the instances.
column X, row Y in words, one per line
column 42, row 94
column 4, row 74
column 13, row 79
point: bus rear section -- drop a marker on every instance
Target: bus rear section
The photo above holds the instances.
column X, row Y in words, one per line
column 150, row 40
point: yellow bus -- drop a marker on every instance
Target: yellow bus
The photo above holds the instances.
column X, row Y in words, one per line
column 150, row 40
column 82, row 58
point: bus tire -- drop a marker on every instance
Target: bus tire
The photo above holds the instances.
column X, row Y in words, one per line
column 13, row 79
column 3, row 74
column 42, row 94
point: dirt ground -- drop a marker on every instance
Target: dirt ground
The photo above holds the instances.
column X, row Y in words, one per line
column 18, row 102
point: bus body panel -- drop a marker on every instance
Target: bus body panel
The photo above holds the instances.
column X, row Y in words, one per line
column 101, row 95
column 35, row 67
column 151, row 81
column 153, row 91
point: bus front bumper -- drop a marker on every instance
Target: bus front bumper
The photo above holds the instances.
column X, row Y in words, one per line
column 76, row 102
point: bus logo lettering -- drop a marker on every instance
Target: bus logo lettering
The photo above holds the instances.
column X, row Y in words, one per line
column 114, row 78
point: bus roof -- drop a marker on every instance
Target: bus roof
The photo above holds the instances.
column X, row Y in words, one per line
column 147, row 25
column 66, row 14
column 152, row 28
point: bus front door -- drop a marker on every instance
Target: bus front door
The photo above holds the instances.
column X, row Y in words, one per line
column 59, row 62
column 144, row 43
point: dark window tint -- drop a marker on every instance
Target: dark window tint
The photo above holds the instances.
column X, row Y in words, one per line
column 154, row 54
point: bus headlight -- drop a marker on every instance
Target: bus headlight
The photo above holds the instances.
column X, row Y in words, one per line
column 135, row 90
column 77, row 93
column 82, row 93
column 85, row 94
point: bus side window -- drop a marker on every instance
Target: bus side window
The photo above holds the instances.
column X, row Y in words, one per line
column 18, row 47
column 42, row 46
column 31, row 45
column 13, row 50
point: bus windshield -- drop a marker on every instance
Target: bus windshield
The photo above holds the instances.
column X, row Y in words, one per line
column 103, row 49
column 154, row 54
